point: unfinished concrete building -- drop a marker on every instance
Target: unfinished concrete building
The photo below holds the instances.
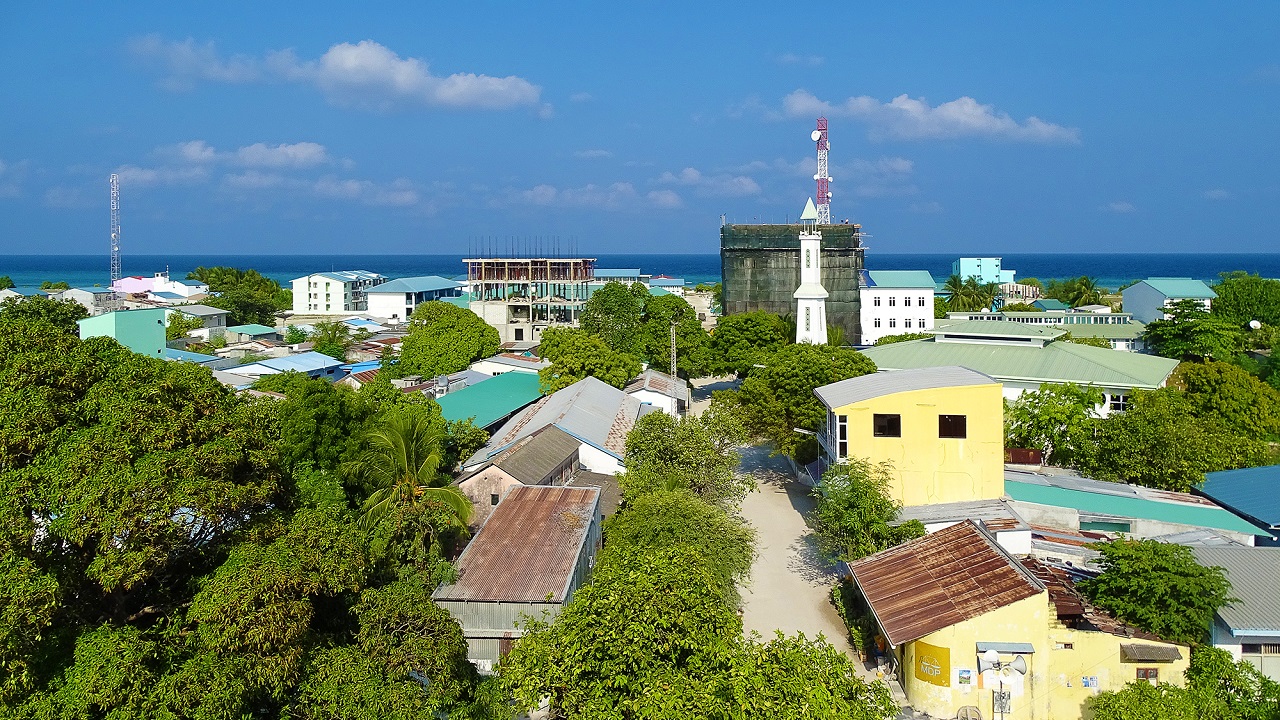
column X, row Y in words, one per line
column 521, row 297
column 760, row 265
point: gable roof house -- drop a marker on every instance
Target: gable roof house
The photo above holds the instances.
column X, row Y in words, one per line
column 1147, row 299
column 597, row 414
column 534, row 551
column 1249, row 627
column 547, row 457
column 654, row 388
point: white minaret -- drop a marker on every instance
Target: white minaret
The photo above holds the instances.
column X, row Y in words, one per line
column 811, row 297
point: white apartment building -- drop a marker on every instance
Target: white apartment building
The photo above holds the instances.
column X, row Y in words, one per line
column 339, row 292
column 895, row 302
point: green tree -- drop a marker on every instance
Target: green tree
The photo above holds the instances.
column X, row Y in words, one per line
column 1242, row 297
column 1215, row 688
column 1192, row 333
column 1157, row 587
column 653, row 336
column 1229, row 394
column 614, row 313
column 60, row 285
column 903, row 337
column 1090, row 341
column 1159, row 443
column 691, row 453
column 294, row 335
column 443, row 339
column 333, row 339
column 779, row 397
column 6, row 282
column 940, row 308
column 1056, row 419
column 1075, row 292
column 1020, row 307
column 739, row 341
column 179, row 325
column 576, row 354
column 854, row 514
column 1033, row 282
column 62, row 314
column 967, row 294
column 250, row 297
column 319, row 422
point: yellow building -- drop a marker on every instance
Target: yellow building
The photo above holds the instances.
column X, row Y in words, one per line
column 946, row 602
column 941, row 428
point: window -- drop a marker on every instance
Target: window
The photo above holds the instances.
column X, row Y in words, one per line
column 806, row 319
column 906, row 302
column 921, row 326
column 921, row 302
column 842, row 433
column 953, row 426
column 493, row 498
column 519, row 334
column 906, row 323
column 1118, row 403
column 893, row 302
column 808, row 260
column 876, row 322
column 876, row 301
column 1151, row 675
column 886, row 425
column 893, row 322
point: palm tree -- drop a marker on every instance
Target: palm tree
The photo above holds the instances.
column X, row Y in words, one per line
column 1084, row 291
column 402, row 459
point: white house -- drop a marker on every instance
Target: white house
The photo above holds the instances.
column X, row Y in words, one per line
column 396, row 299
column 654, row 388
column 333, row 293
column 162, row 285
column 1147, row 299
column 96, row 300
column 895, row 302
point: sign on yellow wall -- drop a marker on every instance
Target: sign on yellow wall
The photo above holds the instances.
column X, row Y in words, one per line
column 933, row 664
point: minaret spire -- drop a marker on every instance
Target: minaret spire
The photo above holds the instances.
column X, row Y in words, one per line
column 810, row 297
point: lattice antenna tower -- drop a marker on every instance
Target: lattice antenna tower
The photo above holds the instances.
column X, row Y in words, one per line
column 115, row 227
column 823, row 176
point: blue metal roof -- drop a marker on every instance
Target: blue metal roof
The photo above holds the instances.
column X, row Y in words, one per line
column 27, row 290
column 1250, row 492
column 425, row 283
column 97, row 290
column 615, row 272
column 252, row 329
column 169, row 295
column 185, row 356
column 302, row 362
column 1051, row 304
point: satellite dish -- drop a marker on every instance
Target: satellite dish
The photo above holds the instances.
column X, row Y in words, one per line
column 1255, row 325
column 815, row 135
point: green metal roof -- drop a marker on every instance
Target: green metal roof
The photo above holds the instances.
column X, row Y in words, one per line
column 1055, row 362
column 1133, row 507
column 901, row 279
column 1000, row 328
column 1110, row 331
column 252, row 329
column 1051, row 304
column 492, row 400
column 1172, row 287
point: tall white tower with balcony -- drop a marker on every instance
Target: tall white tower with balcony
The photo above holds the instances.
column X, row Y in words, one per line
column 811, row 297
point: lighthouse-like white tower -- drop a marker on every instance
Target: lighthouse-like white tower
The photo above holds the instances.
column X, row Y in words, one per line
column 811, row 297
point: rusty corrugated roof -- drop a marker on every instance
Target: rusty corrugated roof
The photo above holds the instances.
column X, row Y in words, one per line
column 528, row 548
column 939, row 580
column 1074, row 610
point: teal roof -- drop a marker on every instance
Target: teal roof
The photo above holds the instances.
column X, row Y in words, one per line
column 901, row 279
column 1127, row 504
column 999, row 328
column 425, row 283
column 1172, row 287
column 1051, row 304
column 253, row 329
column 463, row 301
column 1251, row 492
column 186, row 356
column 492, row 400
column 1055, row 362
column 656, row 291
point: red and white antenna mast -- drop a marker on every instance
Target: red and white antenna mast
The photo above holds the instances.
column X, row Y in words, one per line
column 822, row 176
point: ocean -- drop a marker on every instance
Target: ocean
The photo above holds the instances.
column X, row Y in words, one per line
column 1109, row 270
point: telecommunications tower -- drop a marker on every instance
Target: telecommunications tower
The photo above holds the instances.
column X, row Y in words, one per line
column 824, row 179
column 115, row 227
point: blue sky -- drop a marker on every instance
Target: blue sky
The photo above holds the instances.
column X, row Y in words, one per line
column 388, row 128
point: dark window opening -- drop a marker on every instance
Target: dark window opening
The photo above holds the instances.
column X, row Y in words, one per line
column 953, row 426
column 1151, row 675
column 886, row 425
column 519, row 334
column 493, row 499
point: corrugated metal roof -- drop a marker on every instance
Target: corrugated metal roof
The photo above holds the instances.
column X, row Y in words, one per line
column 1050, row 304
column 539, row 455
column 988, row 512
column 658, row 382
column 185, row 356
column 1121, row 500
column 1254, row 573
column 998, row 328
column 200, row 310
column 251, row 329
column 1074, row 611
column 898, row 279
column 1252, row 492
column 528, row 548
column 423, row 283
column 936, row 581
column 610, row 489
column 1118, row 331
column 1181, row 287
column 491, row 400
column 879, row 384
column 1056, row 362
column 1136, row 652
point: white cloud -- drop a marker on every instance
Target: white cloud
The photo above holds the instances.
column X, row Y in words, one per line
column 11, row 177
column 399, row 193
column 366, row 75
column 616, row 196
column 1120, row 207
column 591, row 154
column 905, row 118
column 719, row 185
column 257, row 180
column 1217, row 194
column 132, row 175
column 303, row 154
column 580, row 97
column 795, row 59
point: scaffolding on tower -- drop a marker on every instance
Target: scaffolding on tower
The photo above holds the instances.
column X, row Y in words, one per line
column 115, row 228
column 822, row 176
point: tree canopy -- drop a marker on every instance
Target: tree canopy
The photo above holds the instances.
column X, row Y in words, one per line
column 6, row 282
column 1020, row 307
column 738, row 341
column 613, row 313
column 178, row 325
column 966, row 294
column 576, row 354
column 1242, row 297
column 694, row 453
column 1192, row 333
column 1158, row 587
column 62, row 314
column 1075, row 292
column 1231, row 395
column 1056, row 419
column 443, row 339
column 903, row 337
column 855, row 516
column 653, row 336
column 250, row 297
column 1215, row 688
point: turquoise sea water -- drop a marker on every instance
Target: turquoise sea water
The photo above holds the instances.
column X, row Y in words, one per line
column 1110, row 270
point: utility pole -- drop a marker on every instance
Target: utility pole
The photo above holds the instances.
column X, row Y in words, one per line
column 115, row 227
column 675, row 408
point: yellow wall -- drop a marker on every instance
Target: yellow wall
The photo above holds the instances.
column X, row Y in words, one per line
column 928, row 469
column 1053, row 687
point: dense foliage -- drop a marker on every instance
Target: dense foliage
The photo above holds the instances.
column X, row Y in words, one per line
column 1056, row 419
column 903, row 337
column 1215, row 688
column 1158, row 587
column 250, row 297
column 1192, row 333
column 1231, row 396
column 694, row 453
column 613, row 313
column 1075, row 292
column 443, row 339
column 332, row 338
column 576, row 354
column 62, row 314
column 967, row 294
column 1020, row 307
column 855, row 516
column 6, row 282
column 653, row 336
column 779, row 397
column 178, row 325
column 739, row 341
column 1242, row 297
column 1097, row 342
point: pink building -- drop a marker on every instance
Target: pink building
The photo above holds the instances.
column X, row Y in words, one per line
column 132, row 285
